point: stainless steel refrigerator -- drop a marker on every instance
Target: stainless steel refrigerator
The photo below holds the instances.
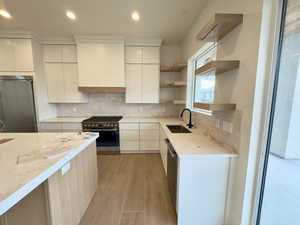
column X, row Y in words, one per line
column 17, row 107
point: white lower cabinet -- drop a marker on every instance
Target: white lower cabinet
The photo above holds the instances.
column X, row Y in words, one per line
column 48, row 127
column 139, row 137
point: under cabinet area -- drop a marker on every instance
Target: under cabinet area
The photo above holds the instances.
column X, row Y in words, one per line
column 139, row 137
column 61, row 71
column 142, row 74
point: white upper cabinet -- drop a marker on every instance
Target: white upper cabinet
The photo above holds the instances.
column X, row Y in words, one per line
column 69, row 53
column 134, row 83
column 16, row 55
column 150, row 83
column 133, row 54
column 145, row 55
column 61, row 72
column 151, row 55
column 142, row 74
column 101, row 63
column 60, row 53
column 55, row 82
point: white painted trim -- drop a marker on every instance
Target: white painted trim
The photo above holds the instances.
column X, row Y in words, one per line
column 266, row 110
column 16, row 73
column 144, row 42
column 15, row 34
column 100, row 39
column 58, row 41
column 18, row 195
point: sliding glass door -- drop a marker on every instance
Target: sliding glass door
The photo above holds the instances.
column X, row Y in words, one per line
column 279, row 202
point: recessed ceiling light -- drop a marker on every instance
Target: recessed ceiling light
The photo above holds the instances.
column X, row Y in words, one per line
column 71, row 15
column 5, row 14
column 135, row 16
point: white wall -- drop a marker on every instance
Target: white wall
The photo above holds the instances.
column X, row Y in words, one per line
column 44, row 109
column 235, row 87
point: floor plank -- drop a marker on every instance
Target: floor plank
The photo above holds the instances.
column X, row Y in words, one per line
column 132, row 190
column 132, row 218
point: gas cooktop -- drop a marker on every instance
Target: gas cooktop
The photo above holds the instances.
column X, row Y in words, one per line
column 101, row 123
column 103, row 119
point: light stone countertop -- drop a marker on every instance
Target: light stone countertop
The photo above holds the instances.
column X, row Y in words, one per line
column 197, row 143
column 64, row 120
column 31, row 158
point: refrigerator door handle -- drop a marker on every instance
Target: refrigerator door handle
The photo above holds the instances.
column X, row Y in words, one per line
column 2, row 125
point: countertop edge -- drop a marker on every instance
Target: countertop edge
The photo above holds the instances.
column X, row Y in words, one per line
column 18, row 195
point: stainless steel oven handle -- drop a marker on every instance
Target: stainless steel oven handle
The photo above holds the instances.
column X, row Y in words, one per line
column 99, row 130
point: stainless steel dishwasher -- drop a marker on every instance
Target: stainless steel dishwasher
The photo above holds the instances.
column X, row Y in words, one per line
column 172, row 172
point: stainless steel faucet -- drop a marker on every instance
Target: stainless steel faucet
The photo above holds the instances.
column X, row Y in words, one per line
column 190, row 125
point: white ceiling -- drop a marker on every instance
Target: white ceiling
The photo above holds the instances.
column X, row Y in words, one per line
column 167, row 19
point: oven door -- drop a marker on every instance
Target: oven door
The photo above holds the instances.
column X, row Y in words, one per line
column 108, row 140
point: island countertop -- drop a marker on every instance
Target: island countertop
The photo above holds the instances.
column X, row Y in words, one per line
column 28, row 159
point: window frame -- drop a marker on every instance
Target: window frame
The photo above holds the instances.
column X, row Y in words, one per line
column 191, row 67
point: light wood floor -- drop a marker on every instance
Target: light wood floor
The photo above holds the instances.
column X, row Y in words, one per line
column 132, row 191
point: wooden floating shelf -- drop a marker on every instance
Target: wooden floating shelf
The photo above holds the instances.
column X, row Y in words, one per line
column 216, row 106
column 220, row 25
column 172, row 85
column 219, row 66
column 175, row 102
column 174, row 68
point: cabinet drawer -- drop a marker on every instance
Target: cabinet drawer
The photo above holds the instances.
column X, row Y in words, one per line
column 149, row 145
column 149, row 126
column 126, row 145
column 149, row 134
column 129, row 126
column 129, row 135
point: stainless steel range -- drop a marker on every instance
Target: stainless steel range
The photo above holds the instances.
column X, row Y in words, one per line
column 108, row 129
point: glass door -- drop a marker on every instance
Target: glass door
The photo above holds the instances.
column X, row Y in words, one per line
column 279, row 202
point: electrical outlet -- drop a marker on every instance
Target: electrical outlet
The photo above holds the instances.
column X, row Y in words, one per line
column 65, row 168
column 227, row 126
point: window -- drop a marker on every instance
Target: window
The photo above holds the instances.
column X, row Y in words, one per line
column 201, row 88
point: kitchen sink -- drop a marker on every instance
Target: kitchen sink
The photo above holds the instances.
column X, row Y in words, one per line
column 178, row 129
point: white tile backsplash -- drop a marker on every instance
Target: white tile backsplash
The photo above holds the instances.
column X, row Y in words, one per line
column 114, row 104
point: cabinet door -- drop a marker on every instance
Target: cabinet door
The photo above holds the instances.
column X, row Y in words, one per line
column 7, row 58
column 52, row 53
column 151, row 55
column 23, row 55
column 133, row 54
column 72, row 95
column 69, row 53
column 101, row 65
column 55, row 82
column 150, row 83
column 133, row 83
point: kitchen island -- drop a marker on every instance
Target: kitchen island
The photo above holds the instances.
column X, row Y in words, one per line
column 46, row 178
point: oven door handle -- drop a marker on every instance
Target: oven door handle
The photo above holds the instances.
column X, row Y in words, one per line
column 100, row 130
